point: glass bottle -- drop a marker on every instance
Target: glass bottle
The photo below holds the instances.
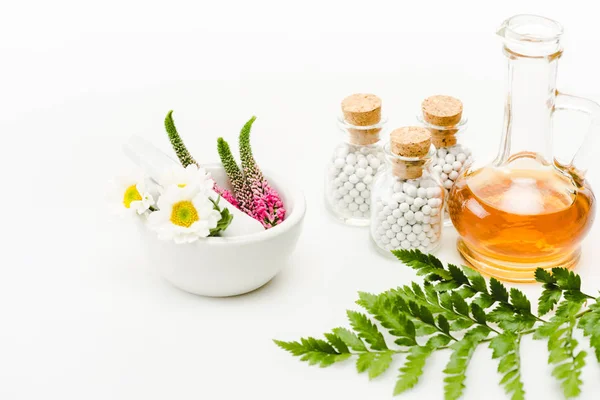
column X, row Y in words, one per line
column 408, row 197
column 356, row 160
column 525, row 209
column 443, row 117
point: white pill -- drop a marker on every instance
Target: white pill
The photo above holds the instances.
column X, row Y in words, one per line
column 453, row 175
column 430, row 234
column 385, row 239
column 363, row 163
column 348, row 186
column 414, row 208
column 339, row 163
column 357, row 214
column 421, row 236
column 397, row 213
column 390, row 219
column 409, row 200
column 380, row 231
column 363, row 207
column 460, row 157
column 369, row 171
column 426, row 209
column 419, row 201
column 409, row 215
column 351, row 159
column 348, row 170
column 411, row 237
column 353, row 178
column 456, row 165
column 393, row 204
column 348, row 199
column 404, row 207
column 448, row 184
column 389, row 233
column 426, row 219
column 389, row 247
column 433, row 192
column 421, row 192
column 417, row 228
column 396, row 228
column 361, row 173
column 399, row 197
column 402, row 221
column 342, row 204
column 385, row 225
column 419, row 216
column 407, row 229
column 337, row 195
column 434, row 212
column 387, row 210
column 397, row 187
column 394, row 243
column 343, row 191
column 412, row 222
column 367, row 200
column 441, row 153
column 443, row 177
column 343, row 177
column 432, row 203
column 353, row 207
column 425, row 241
column 354, row 193
column 360, row 186
column 365, row 194
column 401, row 236
column 446, row 169
column 405, row 244
column 449, row 158
column 410, row 190
column 342, row 152
column 375, row 163
column 422, row 249
column 415, row 244
column 358, row 199
column 368, row 179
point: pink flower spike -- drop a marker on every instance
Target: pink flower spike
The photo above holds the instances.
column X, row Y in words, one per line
column 226, row 194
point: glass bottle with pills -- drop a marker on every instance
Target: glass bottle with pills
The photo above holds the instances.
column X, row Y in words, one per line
column 356, row 160
column 408, row 197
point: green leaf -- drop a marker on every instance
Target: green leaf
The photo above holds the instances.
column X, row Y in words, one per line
column 477, row 281
column 224, row 222
column 460, row 306
column 519, row 301
column 337, row 343
column 590, row 324
column 443, row 324
column 461, row 324
column 543, row 276
column 380, row 364
column 459, row 360
column 478, row 314
column 549, row 298
column 184, row 156
column 506, row 348
column 313, row 351
column 499, row 292
column 422, row 263
column 350, row 339
column 367, row 330
column 457, row 275
column 484, row 301
column 364, row 361
column 412, row 369
column 566, row 280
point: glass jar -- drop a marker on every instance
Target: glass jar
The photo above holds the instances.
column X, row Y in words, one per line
column 408, row 204
column 452, row 154
column 351, row 171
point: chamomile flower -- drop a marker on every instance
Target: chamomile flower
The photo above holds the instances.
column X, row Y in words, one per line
column 191, row 175
column 184, row 215
column 131, row 195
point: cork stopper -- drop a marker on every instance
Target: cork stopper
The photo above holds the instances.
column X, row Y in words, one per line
column 362, row 110
column 409, row 141
column 443, row 111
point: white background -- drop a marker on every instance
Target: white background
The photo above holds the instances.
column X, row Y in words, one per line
column 81, row 318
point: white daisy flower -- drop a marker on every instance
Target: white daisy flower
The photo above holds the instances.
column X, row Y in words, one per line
column 184, row 215
column 183, row 177
column 131, row 195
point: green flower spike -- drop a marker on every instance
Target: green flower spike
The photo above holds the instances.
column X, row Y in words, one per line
column 182, row 152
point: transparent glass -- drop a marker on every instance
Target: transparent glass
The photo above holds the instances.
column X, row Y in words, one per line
column 525, row 209
column 351, row 171
column 452, row 156
column 408, row 213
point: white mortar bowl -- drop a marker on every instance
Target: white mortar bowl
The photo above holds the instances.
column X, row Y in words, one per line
column 230, row 266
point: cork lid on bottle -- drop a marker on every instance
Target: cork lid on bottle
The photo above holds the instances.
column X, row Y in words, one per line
column 442, row 111
column 411, row 142
column 362, row 110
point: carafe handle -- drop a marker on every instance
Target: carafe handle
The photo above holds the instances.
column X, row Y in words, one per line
column 583, row 158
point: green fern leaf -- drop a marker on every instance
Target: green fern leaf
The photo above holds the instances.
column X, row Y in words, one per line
column 549, row 298
column 367, row 330
column 499, row 292
column 412, row 369
column 350, row 339
column 590, row 324
column 506, row 348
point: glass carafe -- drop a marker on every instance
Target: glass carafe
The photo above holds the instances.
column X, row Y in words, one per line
column 525, row 209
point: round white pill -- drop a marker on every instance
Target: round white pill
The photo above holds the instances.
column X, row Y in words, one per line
column 421, row 236
column 398, row 197
column 409, row 215
column 396, row 228
column 453, row 175
column 389, row 233
column 393, row 204
column 421, row 192
column 390, row 219
column 342, row 204
column 358, row 199
column 397, row 213
column 348, row 170
column 385, row 225
column 363, row 207
column 387, row 210
column 414, row 208
column 402, row 221
column 368, row 179
column 425, row 241
column 353, row 207
column 449, row 158
column 342, row 152
column 360, row 186
column 426, row 209
column 357, row 214
column 343, row 191
column 394, row 242
column 409, row 200
column 426, row 219
column 419, row 216
column 401, row 236
column 365, row 194
column 432, row 203
column 433, row 192
column 361, row 173
column 375, row 163
column 404, row 207
column 405, row 244
column 348, row 199
column 407, row 229
column 448, row 184
column 460, row 157
column 446, row 169
column 456, row 165
column 411, row 237
column 343, row 177
column 434, row 212
column 363, row 163
column 369, row 171
column 417, row 228
column 410, row 190
column 348, row 186
column 441, row 153
column 419, row 201
column 351, row 159
column 353, row 178
column 412, row 222
column 385, row 239
column 354, row 193
column 397, row 187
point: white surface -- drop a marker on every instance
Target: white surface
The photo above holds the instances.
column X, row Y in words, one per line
column 82, row 318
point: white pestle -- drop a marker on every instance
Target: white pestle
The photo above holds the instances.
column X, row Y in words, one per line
column 154, row 163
